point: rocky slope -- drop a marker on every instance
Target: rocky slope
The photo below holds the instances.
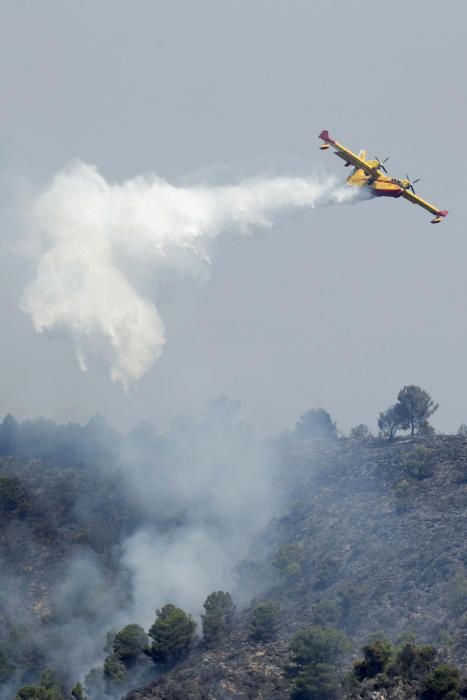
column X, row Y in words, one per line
column 239, row 668
column 371, row 540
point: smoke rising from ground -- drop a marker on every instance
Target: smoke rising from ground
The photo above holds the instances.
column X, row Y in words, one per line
column 150, row 518
column 97, row 241
column 214, row 488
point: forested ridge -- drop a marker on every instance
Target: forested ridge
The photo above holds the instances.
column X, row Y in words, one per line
column 356, row 587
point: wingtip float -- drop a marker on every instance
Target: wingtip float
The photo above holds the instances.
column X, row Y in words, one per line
column 373, row 174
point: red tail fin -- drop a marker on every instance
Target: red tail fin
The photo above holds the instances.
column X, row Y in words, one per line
column 325, row 136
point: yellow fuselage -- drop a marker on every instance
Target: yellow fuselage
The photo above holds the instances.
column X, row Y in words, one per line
column 381, row 185
column 367, row 173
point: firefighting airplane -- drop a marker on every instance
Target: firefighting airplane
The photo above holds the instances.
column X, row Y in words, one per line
column 367, row 173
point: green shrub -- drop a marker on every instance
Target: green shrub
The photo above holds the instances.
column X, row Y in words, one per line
column 316, row 683
column 129, row 643
column 420, row 463
column 114, row 670
column 32, row 692
column 49, row 688
column 313, row 654
column 442, row 683
column 218, row 618
column 264, row 620
column 172, row 633
column 317, row 645
column 376, row 654
column 412, row 662
column 409, row 663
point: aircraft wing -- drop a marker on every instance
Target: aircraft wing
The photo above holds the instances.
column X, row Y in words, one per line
column 412, row 197
column 344, row 153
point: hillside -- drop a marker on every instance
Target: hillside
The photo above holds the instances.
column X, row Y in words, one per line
column 371, row 540
column 368, row 539
column 58, row 531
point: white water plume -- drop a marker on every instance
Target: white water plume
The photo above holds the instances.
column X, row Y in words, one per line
column 93, row 235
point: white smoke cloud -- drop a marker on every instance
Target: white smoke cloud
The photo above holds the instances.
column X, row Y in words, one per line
column 182, row 568
column 92, row 235
column 215, row 483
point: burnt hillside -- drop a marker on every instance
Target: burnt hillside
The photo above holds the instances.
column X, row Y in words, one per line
column 371, row 541
column 48, row 512
column 59, row 530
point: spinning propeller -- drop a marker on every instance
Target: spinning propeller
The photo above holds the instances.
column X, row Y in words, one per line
column 381, row 163
column 411, row 184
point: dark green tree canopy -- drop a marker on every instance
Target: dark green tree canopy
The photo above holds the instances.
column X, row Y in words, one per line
column 416, row 407
column 314, row 424
column 172, row 633
column 442, row 683
column 412, row 662
column 114, row 670
column 412, row 411
column 317, row 645
column 218, row 617
column 32, row 692
column 49, row 688
column 129, row 643
column 313, row 654
column 264, row 621
column 377, row 655
column 390, row 421
column 318, row 682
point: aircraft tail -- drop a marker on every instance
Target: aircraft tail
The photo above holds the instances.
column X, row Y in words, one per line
column 362, row 155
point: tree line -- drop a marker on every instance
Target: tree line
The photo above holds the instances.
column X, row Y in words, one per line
column 96, row 442
column 168, row 641
column 411, row 412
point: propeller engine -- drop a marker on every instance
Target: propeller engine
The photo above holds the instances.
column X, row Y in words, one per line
column 381, row 163
column 410, row 183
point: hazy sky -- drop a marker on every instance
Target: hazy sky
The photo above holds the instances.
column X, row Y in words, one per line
column 338, row 307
